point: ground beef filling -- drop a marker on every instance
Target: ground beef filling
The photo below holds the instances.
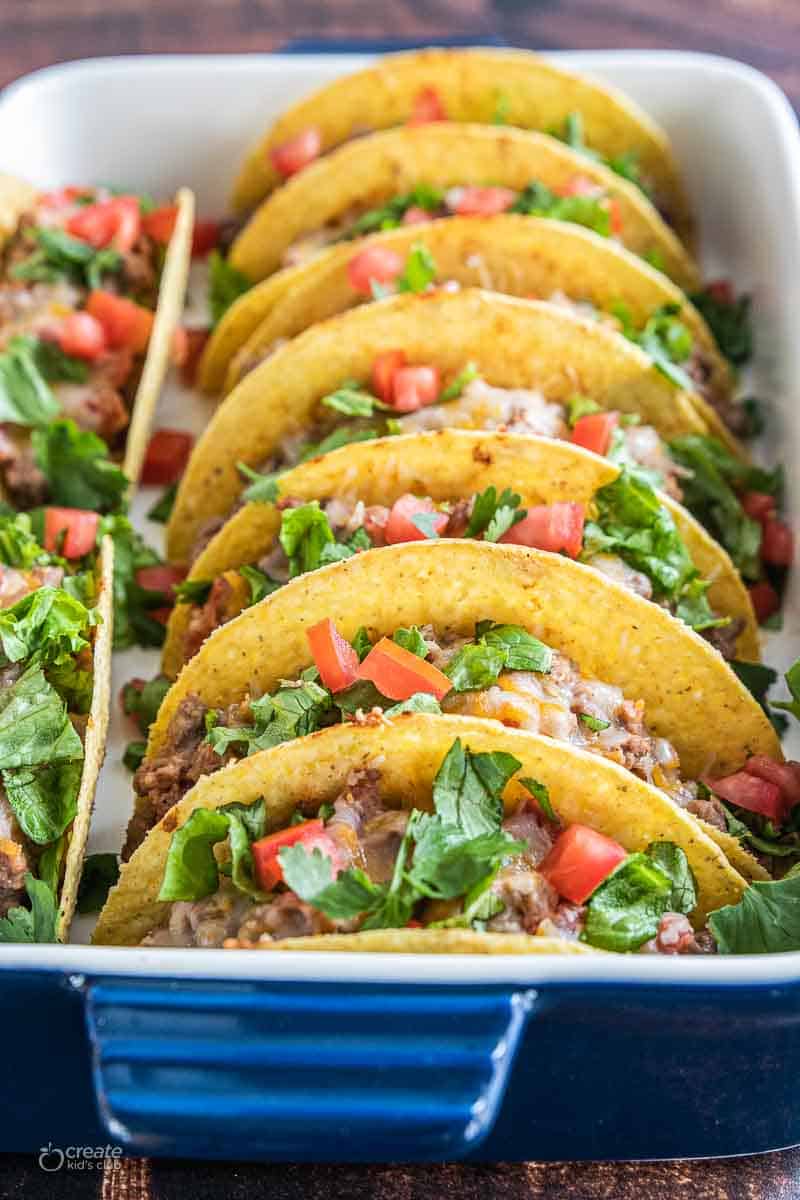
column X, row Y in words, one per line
column 16, row 858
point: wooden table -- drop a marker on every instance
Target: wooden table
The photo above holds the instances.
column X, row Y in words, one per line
column 766, row 33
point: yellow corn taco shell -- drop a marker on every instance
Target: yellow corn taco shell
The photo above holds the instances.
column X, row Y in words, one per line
column 16, row 197
column 513, row 343
column 169, row 311
column 94, row 746
column 482, row 86
column 530, row 257
column 691, row 696
column 371, row 170
column 409, row 750
column 451, row 465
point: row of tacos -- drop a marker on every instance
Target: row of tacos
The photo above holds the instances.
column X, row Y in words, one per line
column 91, row 295
column 472, row 555
column 475, row 556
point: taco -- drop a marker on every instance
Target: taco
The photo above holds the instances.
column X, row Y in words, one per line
column 514, row 489
column 525, row 637
column 55, row 676
column 474, row 360
column 530, row 257
column 456, row 834
column 92, row 287
column 443, row 170
column 500, row 87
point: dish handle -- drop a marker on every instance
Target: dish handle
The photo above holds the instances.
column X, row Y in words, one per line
column 302, row 1070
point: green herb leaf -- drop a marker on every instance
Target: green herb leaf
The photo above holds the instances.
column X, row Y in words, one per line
column 626, row 909
column 292, row 711
column 263, row 489
column 133, row 756
column 44, row 798
column 161, row 511
column 541, row 795
column 305, row 531
column 193, row 591
column 49, row 623
column 142, row 703
column 411, row 639
column 673, row 862
column 390, row 215
column 765, row 921
column 595, row 724
column 100, row 874
column 78, row 469
column 468, row 789
column 419, row 702
column 260, row 583
column 523, row 651
column 352, row 400
column 419, row 271
column 457, row 385
column 475, row 665
column 25, row 395
column 493, row 515
column 225, row 285
column 191, row 868
column 709, row 494
column 536, row 200
column 36, row 924
column 729, row 322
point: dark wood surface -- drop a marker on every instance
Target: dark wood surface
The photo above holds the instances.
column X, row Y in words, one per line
column 34, row 33
column 766, row 33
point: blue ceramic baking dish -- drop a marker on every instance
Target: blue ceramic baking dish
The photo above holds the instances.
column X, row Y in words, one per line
column 314, row 1057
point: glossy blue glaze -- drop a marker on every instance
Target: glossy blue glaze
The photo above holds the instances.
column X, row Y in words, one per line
column 310, row 1071
column 278, row 1067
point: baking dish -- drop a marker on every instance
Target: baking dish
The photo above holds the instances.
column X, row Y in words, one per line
column 309, row 1057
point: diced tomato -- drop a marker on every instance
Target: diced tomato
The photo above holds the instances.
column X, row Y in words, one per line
column 721, row 290
column 758, row 505
column 777, row 543
column 415, row 387
column 334, row 657
column 162, row 615
column 427, row 107
column 161, row 577
column 375, row 264
column 296, row 152
column 579, row 185
column 205, row 236
column 78, row 526
column 765, row 600
column 412, row 924
column 383, row 372
column 63, row 197
column 196, row 340
column 375, row 519
column 81, row 335
column 556, row 527
column 399, row 673
column 594, row 430
column 415, row 215
column 160, row 223
column 484, row 201
column 400, row 526
column 783, row 774
column 167, row 455
column 126, row 325
column 752, row 792
column 116, row 223
column 180, row 346
column 310, row 834
column 579, row 861
column 615, row 216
